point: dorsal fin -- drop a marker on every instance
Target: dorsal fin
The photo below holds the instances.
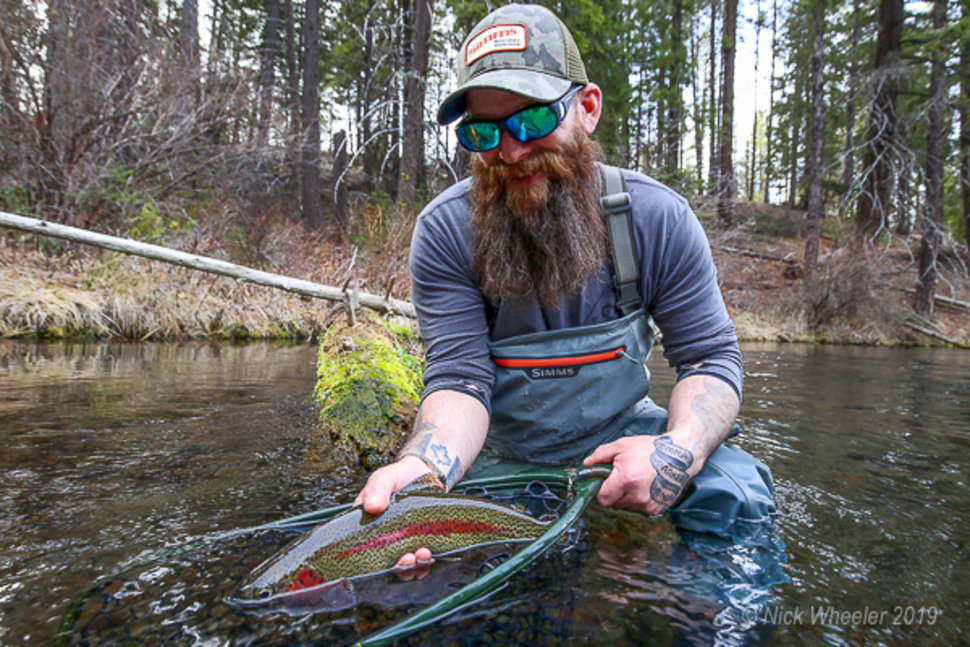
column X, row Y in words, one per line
column 425, row 483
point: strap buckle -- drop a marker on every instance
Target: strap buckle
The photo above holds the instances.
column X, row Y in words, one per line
column 615, row 202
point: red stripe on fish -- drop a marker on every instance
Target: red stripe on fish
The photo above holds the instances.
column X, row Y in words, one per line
column 305, row 579
column 440, row 527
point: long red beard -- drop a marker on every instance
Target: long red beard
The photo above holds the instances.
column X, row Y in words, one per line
column 546, row 240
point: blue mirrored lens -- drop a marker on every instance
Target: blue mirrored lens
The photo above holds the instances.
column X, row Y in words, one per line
column 534, row 122
column 479, row 136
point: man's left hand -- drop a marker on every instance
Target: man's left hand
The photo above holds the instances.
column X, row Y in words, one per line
column 649, row 473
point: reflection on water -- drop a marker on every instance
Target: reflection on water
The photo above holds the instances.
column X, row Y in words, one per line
column 107, row 451
column 870, row 449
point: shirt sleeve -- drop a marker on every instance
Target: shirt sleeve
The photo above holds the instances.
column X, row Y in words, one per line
column 680, row 282
column 450, row 308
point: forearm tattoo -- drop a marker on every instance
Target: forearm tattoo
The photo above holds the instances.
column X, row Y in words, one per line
column 715, row 409
column 436, row 454
column 671, row 463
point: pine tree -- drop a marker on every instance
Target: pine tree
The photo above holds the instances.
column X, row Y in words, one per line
column 873, row 204
column 933, row 209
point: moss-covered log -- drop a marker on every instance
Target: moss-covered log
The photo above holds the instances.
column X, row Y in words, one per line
column 368, row 386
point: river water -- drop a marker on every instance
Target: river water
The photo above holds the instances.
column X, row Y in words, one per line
column 108, row 451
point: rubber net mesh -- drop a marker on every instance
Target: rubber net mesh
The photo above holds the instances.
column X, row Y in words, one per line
column 182, row 596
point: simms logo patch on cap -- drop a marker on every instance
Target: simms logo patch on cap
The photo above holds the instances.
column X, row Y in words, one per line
column 497, row 38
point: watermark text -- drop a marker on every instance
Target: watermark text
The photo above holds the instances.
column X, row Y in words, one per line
column 898, row 615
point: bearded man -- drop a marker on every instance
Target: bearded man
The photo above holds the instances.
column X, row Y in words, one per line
column 536, row 347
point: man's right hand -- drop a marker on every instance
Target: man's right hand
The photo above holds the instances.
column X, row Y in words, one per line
column 376, row 496
column 382, row 483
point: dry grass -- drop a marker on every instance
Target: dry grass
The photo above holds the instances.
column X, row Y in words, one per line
column 857, row 299
column 90, row 293
column 72, row 291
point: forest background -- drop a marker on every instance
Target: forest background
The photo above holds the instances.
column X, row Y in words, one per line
column 299, row 137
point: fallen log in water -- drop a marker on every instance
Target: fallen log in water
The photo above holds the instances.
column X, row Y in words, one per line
column 935, row 334
column 207, row 264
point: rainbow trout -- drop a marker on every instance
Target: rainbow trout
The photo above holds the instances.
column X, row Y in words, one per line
column 356, row 543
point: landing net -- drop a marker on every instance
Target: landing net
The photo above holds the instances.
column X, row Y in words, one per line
column 497, row 593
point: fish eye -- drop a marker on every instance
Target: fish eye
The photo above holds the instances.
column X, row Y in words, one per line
column 264, row 593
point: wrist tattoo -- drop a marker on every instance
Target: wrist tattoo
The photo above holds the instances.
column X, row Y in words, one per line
column 671, row 462
column 437, row 455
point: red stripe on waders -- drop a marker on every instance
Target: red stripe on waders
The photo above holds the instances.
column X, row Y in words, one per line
column 560, row 361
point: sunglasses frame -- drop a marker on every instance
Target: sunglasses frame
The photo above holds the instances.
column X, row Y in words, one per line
column 559, row 107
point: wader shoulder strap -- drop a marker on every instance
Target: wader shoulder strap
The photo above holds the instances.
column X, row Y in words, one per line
column 623, row 249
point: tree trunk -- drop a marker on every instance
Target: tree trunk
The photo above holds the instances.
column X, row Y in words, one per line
column 660, row 103
column 712, row 126
column 365, row 114
column 933, row 209
column 189, row 37
column 753, row 162
column 769, row 126
column 310, row 171
column 412, row 157
column 292, row 71
column 815, row 163
column 8, row 90
column 965, row 129
column 699, row 107
column 795, row 137
column 57, row 88
column 848, row 162
column 873, row 203
column 215, row 41
column 267, row 72
column 338, row 182
column 726, row 182
column 126, row 50
column 905, row 212
column 674, row 98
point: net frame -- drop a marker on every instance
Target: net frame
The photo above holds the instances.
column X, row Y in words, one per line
column 579, row 486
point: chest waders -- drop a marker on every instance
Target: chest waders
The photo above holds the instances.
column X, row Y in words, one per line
column 559, row 394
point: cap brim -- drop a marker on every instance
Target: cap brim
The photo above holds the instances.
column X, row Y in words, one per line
column 527, row 83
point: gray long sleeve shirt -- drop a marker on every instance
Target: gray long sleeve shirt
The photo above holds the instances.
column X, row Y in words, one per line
column 678, row 285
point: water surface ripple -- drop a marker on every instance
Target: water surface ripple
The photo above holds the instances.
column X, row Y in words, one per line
column 109, row 451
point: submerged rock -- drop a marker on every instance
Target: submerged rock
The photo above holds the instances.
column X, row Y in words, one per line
column 369, row 381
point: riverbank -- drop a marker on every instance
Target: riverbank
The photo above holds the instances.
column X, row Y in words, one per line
column 857, row 299
column 61, row 290
column 57, row 290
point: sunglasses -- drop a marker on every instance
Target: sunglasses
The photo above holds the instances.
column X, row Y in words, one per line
column 534, row 122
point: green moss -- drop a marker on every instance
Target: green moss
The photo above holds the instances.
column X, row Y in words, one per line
column 403, row 330
column 368, row 386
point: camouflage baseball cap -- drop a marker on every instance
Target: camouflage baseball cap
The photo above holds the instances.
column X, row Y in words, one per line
column 519, row 48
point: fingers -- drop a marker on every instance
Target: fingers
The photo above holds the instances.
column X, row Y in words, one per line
column 414, row 565
column 628, row 485
column 627, row 493
column 376, row 494
column 604, row 453
column 621, row 490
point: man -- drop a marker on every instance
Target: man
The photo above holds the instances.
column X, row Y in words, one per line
column 529, row 352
